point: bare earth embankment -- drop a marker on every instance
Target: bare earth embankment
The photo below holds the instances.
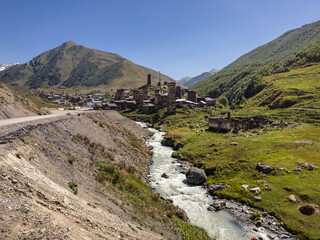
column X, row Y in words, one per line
column 76, row 177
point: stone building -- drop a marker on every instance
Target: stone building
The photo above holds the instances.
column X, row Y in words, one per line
column 120, row 95
column 149, row 80
column 178, row 92
column 192, row 96
column 229, row 123
column 171, row 108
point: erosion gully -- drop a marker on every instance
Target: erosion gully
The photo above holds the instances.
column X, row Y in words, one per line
column 195, row 200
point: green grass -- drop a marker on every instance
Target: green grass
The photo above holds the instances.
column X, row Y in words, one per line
column 280, row 148
column 188, row 231
column 42, row 103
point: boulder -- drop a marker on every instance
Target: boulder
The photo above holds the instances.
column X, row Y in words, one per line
column 255, row 190
column 264, row 168
column 167, row 199
column 256, row 198
column 308, row 166
column 196, row 176
column 292, row 198
column 168, row 141
column 217, row 187
column 219, row 204
column 165, row 175
column 245, row 187
column 233, row 144
column 182, row 215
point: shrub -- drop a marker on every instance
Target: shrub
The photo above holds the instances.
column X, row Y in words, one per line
column 74, row 187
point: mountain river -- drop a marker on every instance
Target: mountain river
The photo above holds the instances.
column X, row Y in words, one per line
column 194, row 200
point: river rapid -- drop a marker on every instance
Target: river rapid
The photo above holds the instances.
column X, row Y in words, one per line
column 194, row 200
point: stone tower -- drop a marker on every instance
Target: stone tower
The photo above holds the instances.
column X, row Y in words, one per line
column 140, row 101
column 145, row 93
column 178, row 92
column 157, row 98
column 120, row 94
column 171, row 108
column 149, row 80
column 192, row 96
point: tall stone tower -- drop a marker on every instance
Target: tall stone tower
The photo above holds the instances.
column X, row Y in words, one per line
column 171, row 108
column 178, row 92
column 157, row 99
column 145, row 93
column 149, row 80
column 140, row 101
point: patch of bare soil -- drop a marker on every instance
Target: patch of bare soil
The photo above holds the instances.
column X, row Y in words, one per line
column 38, row 162
column 309, row 209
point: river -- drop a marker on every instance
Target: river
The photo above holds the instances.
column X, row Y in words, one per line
column 194, row 200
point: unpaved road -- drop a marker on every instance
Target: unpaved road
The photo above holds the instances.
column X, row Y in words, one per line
column 12, row 124
column 9, row 121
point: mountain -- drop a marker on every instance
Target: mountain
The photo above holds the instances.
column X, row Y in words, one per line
column 78, row 68
column 182, row 81
column 14, row 105
column 5, row 66
column 189, row 81
column 200, row 77
column 244, row 78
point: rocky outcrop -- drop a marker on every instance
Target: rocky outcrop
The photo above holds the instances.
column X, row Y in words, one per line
column 308, row 166
column 196, row 176
column 217, row 187
column 264, row 168
column 255, row 190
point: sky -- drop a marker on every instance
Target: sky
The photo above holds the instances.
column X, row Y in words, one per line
column 177, row 37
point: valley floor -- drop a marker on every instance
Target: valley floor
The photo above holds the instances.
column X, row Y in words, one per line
column 232, row 158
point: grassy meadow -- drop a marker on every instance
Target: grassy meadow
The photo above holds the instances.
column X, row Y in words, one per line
column 280, row 147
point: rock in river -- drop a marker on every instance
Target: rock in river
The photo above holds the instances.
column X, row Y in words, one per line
column 196, row 176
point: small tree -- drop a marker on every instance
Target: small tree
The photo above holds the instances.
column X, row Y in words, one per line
column 223, row 100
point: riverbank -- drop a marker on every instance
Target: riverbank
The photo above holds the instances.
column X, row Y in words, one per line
column 167, row 177
column 232, row 159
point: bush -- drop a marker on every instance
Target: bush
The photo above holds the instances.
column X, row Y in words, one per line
column 74, row 187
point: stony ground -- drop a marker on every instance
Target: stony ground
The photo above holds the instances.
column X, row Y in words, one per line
column 38, row 161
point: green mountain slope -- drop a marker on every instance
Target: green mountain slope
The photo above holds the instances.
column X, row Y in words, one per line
column 243, row 78
column 78, row 68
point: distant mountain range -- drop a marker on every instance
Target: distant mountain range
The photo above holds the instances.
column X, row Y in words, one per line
column 5, row 66
column 189, row 81
column 77, row 68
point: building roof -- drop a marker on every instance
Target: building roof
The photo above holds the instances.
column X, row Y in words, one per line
column 112, row 104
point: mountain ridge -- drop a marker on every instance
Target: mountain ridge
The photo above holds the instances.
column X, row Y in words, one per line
column 78, row 68
column 189, row 81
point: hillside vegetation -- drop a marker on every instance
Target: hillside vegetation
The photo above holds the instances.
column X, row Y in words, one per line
column 78, row 68
column 243, row 78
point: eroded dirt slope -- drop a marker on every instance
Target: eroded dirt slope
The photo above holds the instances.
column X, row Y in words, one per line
column 38, row 162
column 13, row 105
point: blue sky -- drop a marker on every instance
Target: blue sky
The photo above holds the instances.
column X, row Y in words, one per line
column 177, row 37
